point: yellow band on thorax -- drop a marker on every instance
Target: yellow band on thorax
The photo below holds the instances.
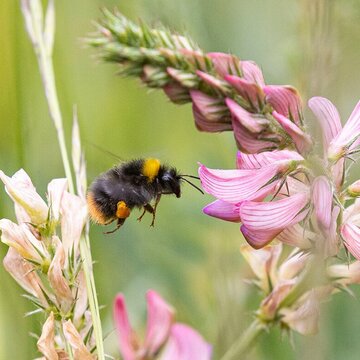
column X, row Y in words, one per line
column 151, row 168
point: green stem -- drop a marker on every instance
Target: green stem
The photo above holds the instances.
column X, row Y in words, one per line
column 246, row 341
column 92, row 297
column 48, row 80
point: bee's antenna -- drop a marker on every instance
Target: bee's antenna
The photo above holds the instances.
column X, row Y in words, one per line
column 193, row 185
column 190, row 176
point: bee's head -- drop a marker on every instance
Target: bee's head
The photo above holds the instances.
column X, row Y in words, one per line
column 170, row 182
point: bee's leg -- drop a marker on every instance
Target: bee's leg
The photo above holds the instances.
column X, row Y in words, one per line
column 157, row 200
column 120, row 222
column 147, row 208
column 142, row 215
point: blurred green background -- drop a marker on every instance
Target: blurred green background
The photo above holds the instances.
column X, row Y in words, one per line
column 191, row 259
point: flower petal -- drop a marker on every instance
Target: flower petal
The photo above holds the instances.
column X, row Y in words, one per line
column 126, row 335
column 73, row 217
column 186, row 344
column 301, row 140
column 252, row 72
column 263, row 221
column 351, row 235
column 328, row 117
column 223, row 210
column 322, row 196
column 55, row 192
column 211, row 108
column 263, row 263
column 348, row 138
column 160, row 320
column 203, row 124
column 345, row 274
column 22, row 240
column 248, row 90
column 46, row 342
column 212, row 81
column 75, row 341
column 297, row 236
column 22, row 191
column 177, row 93
column 252, row 122
column 285, row 100
column 234, row 186
column 249, row 142
column 224, row 63
column 257, row 161
column 24, row 274
column 56, row 277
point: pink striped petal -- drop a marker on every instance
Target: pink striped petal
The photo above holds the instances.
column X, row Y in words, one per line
column 186, row 344
column 285, row 100
column 322, row 196
column 176, row 93
column 348, row 138
column 301, row 140
column 203, row 124
column 252, row 72
column 224, row 64
column 126, row 335
column 263, row 221
column 328, row 117
column 252, row 122
column 223, row 210
column 297, row 236
column 234, row 186
column 248, row 142
column 257, row 161
column 351, row 235
column 248, row 90
column 211, row 108
column 160, row 320
column 212, row 81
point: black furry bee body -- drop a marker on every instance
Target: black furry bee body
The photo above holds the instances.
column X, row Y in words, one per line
column 132, row 184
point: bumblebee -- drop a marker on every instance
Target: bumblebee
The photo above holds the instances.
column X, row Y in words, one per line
column 133, row 184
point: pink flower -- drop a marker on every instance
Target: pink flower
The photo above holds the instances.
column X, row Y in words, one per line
column 178, row 341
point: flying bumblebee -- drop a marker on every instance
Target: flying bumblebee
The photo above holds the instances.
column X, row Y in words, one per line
column 132, row 184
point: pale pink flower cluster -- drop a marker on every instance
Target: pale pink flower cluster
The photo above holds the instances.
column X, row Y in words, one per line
column 47, row 264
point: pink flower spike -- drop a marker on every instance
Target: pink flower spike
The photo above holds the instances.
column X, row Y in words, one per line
column 328, row 117
column 225, row 64
column 257, row 161
column 186, row 344
column 285, row 100
column 252, row 72
column 127, row 340
column 301, row 140
column 160, row 319
column 348, row 138
column 252, row 122
column 322, row 196
column 248, row 90
column 234, row 186
column 351, row 235
column 223, row 210
column 263, row 221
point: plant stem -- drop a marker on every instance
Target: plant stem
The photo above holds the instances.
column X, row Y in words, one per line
column 246, row 341
column 33, row 18
column 92, row 296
